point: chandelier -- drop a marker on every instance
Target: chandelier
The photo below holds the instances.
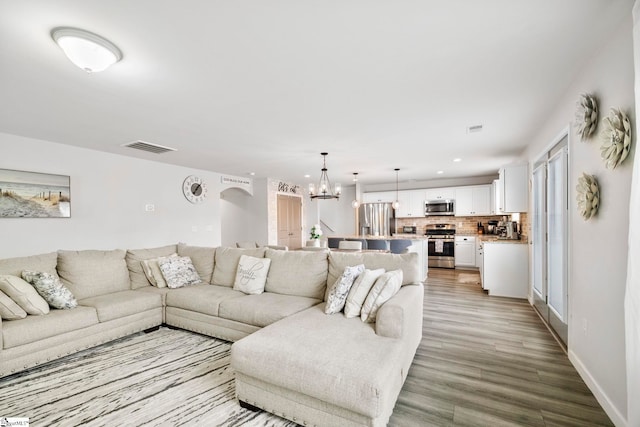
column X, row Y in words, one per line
column 324, row 190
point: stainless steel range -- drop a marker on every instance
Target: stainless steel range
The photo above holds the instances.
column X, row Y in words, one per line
column 442, row 244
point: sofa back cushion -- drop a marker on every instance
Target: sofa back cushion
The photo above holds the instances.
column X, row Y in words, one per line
column 299, row 273
column 202, row 258
column 91, row 273
column 134, row 258
column 226, row 265
column 43, row 262
column 408, row 263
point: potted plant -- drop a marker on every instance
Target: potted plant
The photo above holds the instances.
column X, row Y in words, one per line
column 316, row 233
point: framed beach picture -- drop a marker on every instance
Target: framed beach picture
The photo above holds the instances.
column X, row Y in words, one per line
column 34, row 195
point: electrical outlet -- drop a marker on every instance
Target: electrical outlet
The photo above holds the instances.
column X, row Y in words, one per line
column 149, row 207
column 209, row 228
column 194, row 228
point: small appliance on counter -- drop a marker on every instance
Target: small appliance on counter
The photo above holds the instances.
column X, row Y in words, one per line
column 508, row 229
column 409, row 229
column 492, row 227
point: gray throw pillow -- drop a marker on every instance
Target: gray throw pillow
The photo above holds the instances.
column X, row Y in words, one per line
column 51, row 289
column 179, row 271
column 340, row 289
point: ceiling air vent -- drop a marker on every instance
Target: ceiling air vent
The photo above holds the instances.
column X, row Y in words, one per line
column 474, row 129
column 147, row 146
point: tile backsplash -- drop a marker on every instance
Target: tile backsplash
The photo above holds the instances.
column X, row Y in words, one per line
column 464, row 224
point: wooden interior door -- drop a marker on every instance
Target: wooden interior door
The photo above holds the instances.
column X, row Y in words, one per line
column 289, row 221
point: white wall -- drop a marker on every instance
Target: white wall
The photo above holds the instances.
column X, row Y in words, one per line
column 108, row 197
column 598, row 248
column 235, row 217
column 338, row 214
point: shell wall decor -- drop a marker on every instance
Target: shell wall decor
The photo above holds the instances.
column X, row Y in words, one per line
column 586, row 116
column 616, row 138
column 588, row 196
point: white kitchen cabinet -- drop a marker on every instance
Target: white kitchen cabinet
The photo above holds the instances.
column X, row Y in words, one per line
column 411, row 204
column 506, row 269
column 379, row 196
column 495, row 198
column 473, row 200
column 465, row 252
column 512, row 193
column 440, row 193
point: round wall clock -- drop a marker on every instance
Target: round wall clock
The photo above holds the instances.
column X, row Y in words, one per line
column 194, row 189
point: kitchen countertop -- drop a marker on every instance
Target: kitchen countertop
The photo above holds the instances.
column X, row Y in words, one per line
column 492, row 238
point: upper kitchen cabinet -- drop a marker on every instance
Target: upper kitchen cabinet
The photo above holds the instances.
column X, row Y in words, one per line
column 411, row 204
column 473, row 200
column 440, row 193
column 512, row 189
column 379, row 196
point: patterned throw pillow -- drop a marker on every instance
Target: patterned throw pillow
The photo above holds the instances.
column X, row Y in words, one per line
column 340, row 289
column 23, row 294
column 179, row 271
column 251, row 276
column 151, row 270
column 9, row 310
column 385, row 287
column 51, row 289
column 359, row 292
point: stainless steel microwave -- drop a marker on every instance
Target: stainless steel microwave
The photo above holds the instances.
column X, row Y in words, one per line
column 439, row 207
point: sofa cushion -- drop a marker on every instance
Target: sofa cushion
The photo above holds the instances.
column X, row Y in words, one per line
column 35, row 328
column 298, row 273
column 408, row 263
column 9, row 310
column 133, row 258
column 23, row 294
column 352, row 368
column 359, row 292
column 203, row 298
column 202, row 257
column 382, row 291
column 340, row 289
column 91, row 273
column 264, row 309
column 226, row 265
column 43, row 262
column 152, row 271
column 121, row 304
column 51, row 289
column 252, row 275
column 178, row 271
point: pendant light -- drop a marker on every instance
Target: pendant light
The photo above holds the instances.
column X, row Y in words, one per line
column 324, row 190
column 86, row 50
column 396, row 204
column 355, row 204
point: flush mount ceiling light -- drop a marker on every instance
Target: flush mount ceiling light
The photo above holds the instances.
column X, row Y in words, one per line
column 324, row 190
column 86, row 50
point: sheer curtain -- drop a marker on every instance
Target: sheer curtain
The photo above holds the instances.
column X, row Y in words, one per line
column 632, row 296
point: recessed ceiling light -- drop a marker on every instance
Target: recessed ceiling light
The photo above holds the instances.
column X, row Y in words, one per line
column 86, row 50
column 307, row 176
column 440, row 172
column 252, row 173
column 457, row 159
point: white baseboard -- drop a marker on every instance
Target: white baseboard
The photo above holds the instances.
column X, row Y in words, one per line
column 616, row 417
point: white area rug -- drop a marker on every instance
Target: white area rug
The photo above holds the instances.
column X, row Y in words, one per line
column 164, row 378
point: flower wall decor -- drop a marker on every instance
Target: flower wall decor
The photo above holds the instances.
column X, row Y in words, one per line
column 616, row 138
column 586, row 116
column 588, row 197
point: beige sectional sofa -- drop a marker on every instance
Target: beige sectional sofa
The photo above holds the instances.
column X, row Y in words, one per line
column 290, row 358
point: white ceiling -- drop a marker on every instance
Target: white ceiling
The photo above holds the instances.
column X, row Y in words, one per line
column 265, row 86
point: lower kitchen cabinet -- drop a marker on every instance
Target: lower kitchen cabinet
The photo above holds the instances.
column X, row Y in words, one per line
column 465, row 252
column 505, row 271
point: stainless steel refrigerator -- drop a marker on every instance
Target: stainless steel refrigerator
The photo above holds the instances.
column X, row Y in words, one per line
column 377, row 219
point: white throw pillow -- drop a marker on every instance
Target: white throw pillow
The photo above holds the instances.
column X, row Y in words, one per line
column 151, row 269
column 51, row 289
column 340, row 289
column 251, row 275
column 385, row 287
column 23, row 294
column 359, row 291
column 179, row 271
column 9, row 310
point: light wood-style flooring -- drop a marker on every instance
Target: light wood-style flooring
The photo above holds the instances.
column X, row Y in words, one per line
column 489, row 361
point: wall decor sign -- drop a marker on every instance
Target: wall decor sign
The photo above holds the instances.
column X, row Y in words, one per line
column 588, row 197
column 616, row 138
column 586, row 116
column 34, row 195
column 235, row 181
column 284, row 187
